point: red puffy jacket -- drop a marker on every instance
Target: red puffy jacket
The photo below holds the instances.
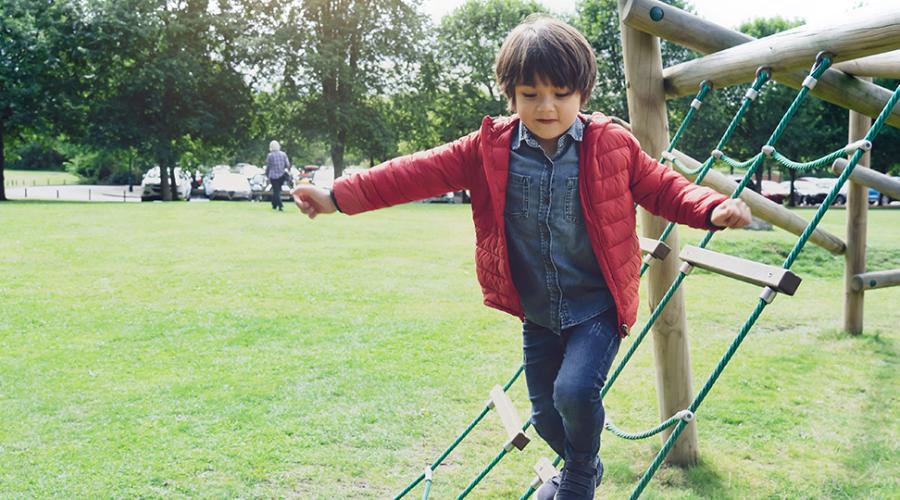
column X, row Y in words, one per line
column 614, row 175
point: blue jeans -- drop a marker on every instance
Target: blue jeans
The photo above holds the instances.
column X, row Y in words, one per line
column 564, row 374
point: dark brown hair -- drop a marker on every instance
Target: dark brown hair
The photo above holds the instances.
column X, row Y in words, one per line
column 551, row 50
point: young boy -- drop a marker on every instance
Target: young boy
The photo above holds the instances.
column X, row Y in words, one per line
column 553, row 196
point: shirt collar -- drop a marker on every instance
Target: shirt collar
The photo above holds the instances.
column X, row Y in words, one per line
column 576, row 132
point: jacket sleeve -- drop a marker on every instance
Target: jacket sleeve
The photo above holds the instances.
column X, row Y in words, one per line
column 668, row 194
column 408, row 178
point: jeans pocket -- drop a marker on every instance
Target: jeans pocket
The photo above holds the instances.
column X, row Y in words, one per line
column 517, row 195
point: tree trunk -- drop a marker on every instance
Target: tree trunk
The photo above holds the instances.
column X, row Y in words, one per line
column 2, row 165
column 173, row 182
column 337, row 154
column 164, row 193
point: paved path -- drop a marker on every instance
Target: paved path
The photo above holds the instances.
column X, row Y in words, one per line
column 78, row 192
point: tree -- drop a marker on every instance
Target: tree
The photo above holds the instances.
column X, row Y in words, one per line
column 468, row 40
column 598, row 20
column 333, row 56
column 166, row 77
column 40, row 57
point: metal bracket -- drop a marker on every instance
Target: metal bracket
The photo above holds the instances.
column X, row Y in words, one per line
column 809, row 82
column 860, row 144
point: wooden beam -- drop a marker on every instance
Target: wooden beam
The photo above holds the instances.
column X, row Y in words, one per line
column 878, row 279
column 762, row 275
column 545, row 470
column 657, row 249
column 870, row 178
column 862, row 33
column 671, row 352
column 885, row 65
column 764, row 208
column 706, row 37
column 857, row 220
column 510, row 418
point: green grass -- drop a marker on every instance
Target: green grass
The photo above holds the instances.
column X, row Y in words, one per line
column 222, row 350
column 14, row 178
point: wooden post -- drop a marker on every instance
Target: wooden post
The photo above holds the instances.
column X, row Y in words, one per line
column 647, row 111
column 857, row 215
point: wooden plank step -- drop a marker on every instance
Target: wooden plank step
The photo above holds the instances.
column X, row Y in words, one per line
column 510, row 418
column 657, row 249
column 777, row 278
column 545, row 470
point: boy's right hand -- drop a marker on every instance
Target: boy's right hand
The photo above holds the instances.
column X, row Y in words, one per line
column 313, row 200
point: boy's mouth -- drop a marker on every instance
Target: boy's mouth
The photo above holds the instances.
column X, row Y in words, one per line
column 546, row 120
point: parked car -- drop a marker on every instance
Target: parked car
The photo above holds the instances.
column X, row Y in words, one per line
column 248, row 170
column 875, row 197
column 806, row 192
column 261, row 188
column 775, row 191
column 827, row 183
column 444, row 198
column 223, row 184
column 306, row 174
column 150, row 185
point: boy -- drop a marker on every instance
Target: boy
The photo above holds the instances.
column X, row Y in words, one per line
column 553, row 196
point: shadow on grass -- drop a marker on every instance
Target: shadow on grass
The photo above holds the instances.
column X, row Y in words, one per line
column 700, row 481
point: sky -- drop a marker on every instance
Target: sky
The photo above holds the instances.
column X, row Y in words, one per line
column 729, row 13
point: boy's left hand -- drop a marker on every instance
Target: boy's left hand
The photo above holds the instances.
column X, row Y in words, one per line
column 731, row 213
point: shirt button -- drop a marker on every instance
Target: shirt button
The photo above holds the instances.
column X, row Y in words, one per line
column 625, row 329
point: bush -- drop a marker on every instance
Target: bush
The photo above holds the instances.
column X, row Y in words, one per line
column 36, row 156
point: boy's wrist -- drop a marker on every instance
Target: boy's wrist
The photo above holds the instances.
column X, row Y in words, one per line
column 334, row 199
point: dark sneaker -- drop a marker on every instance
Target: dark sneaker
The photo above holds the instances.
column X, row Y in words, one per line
column 547, row 491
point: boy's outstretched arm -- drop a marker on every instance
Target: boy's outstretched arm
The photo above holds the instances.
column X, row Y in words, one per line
column 312, row 200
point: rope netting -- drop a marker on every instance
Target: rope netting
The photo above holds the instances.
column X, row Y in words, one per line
column 680, row 420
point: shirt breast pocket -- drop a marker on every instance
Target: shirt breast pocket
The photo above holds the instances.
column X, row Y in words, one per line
column 573, row 202
column 517, row 191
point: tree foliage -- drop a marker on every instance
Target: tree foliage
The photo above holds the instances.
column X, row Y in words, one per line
column 164, row 77
column 41, row 54
column 333, row 56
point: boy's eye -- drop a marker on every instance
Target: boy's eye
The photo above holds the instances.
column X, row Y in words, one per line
column 529, row 95
column 563, row 94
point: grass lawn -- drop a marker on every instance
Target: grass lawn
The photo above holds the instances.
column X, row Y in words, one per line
column 223, row 350
column 14, row 178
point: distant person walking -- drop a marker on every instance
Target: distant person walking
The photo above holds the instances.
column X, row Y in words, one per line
column 277, row 167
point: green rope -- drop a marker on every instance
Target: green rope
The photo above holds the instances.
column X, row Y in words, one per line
column 739, row 164
column 673, row 437
column 674, row 419
column 490, row 466
column 427, row 489
column 870, row 136
column 798, row 247
column 762, row 77
column 810, row 165
column 460, row 438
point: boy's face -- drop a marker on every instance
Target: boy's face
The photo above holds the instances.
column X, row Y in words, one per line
column 546, row 110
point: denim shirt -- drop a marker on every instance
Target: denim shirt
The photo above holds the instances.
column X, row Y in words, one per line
column 553, row 265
